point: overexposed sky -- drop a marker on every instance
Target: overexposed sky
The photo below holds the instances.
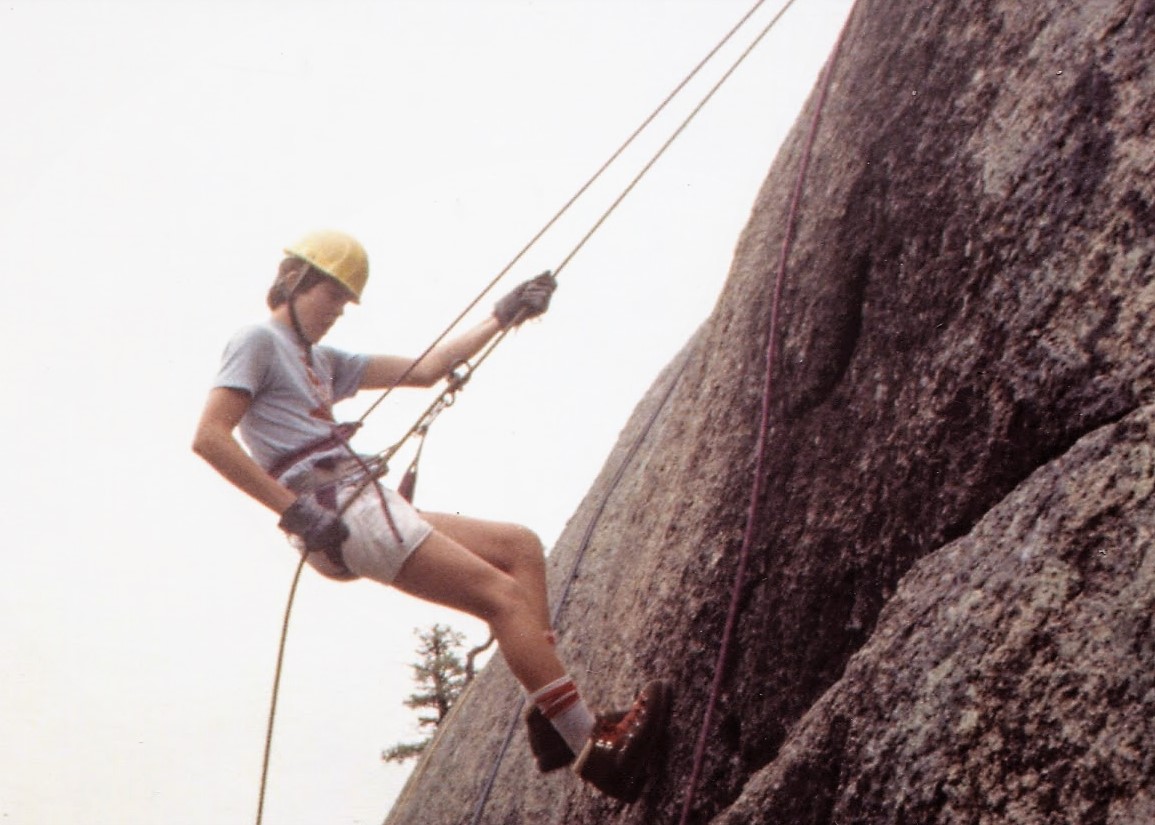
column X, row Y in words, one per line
column 156, row 158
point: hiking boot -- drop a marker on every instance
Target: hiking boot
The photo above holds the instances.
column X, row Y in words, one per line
column 622, row 745
column 549, row 749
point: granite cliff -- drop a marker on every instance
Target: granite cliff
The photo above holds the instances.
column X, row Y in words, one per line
column 945, row 614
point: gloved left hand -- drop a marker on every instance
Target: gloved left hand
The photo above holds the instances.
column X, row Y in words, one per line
column 320, row 528
column 527, row 300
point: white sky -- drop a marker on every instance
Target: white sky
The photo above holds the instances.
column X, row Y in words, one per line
column 155, row 159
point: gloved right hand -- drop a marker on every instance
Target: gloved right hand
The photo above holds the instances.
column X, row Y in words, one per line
column 527, row 300
column 320, row 528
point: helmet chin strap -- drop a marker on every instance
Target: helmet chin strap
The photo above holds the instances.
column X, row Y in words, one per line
column 299, row 330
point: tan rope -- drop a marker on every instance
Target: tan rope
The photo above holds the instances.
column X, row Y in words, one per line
column 573, row 199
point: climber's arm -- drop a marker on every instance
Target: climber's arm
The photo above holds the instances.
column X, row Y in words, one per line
column 527, row 300
column 384, row 371
column 215, row 443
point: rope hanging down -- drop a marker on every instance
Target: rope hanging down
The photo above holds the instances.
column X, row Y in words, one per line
column 758, row 484
column 276, row 691
column 376, row 466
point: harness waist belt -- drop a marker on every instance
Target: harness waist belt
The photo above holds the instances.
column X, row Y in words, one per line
column 339, row 438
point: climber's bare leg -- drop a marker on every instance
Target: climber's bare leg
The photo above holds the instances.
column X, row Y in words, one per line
column 444, row 572
column 511, row 548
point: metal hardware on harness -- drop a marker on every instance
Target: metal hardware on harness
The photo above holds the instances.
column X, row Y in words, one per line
column 377, row 466
column 455, row 382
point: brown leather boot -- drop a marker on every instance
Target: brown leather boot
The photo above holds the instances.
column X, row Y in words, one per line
column 549, row 749
column 622, row 745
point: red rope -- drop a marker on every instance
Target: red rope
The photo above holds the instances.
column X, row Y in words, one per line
column 759, row 484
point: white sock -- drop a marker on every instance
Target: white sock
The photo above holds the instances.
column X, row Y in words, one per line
column 562, row 705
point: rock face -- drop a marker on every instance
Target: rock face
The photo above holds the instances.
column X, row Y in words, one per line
column 1009, row 678
column 946, row 613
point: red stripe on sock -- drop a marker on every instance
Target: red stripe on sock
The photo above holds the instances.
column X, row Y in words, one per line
column 557, row 700
column 555, row 694
column 561, row 706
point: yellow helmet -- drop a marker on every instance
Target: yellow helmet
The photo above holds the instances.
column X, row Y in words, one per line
column 336, row 254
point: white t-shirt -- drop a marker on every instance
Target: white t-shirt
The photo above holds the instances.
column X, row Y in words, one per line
column 292, row 402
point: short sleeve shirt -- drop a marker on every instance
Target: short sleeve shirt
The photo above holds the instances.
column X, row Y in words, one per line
column 292, row 399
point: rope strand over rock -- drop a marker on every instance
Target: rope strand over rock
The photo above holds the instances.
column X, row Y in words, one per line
column 759, row 481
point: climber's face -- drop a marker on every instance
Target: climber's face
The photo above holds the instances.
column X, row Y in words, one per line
column 319, row 307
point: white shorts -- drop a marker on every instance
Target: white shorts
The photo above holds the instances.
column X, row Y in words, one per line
column 373, row 550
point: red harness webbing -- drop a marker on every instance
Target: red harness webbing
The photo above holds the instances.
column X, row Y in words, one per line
column 338, row 438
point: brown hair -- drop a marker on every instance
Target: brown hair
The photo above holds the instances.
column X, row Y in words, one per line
column 293, row 275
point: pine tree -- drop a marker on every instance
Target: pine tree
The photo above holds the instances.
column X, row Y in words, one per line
column 440, row 676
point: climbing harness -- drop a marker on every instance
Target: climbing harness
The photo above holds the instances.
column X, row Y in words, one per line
column 339, row 437
column 371, row 469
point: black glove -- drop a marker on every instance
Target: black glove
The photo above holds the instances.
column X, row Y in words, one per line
column 319, row 527
column 527, row 300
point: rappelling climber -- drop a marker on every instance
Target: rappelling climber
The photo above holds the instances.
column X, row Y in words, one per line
column 277, row 386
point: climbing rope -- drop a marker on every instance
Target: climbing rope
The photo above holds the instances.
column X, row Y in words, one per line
column 380, row 462
column 382, row 459
column 276, row 691
column 758, row 486
column 376, row 466
column 572, row 200
column 689, row 118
